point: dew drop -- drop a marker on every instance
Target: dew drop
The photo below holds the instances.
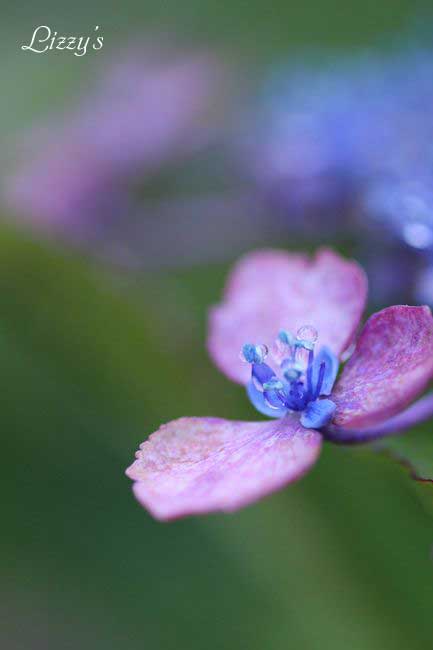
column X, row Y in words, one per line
column 307, row 335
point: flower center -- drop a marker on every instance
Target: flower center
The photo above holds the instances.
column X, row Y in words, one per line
column 297, row 376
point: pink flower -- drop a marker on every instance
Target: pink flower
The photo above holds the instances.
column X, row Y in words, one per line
column 149, row 109
column 294, row 318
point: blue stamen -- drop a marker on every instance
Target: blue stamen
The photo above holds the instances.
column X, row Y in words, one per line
column 296, row 396
column 251, row 353
column 262, row 374
column 292, row 374
column 286, row 337
column 274, row 394
column 304, row 377
column 310, row 372
column 320, row 379
column 273, row 384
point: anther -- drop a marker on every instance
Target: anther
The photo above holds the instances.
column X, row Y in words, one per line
column 251, row 353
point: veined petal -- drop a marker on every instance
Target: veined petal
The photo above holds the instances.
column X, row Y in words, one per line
column 392, row 363
column 272, row 290
column 199, row 465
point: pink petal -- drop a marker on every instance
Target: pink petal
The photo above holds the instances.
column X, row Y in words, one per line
column 392, row 363
column 272, row 290
column 199, row 465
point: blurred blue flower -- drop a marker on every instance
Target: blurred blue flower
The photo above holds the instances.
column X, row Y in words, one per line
column 347, row 147
column 302, row 146
column 402, row 208
column 405, row 206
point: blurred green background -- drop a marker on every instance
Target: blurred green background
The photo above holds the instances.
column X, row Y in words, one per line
column 93, row 361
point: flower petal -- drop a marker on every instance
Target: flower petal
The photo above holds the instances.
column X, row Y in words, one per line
column 392, row 363
column 198, row 465
column 272, row 290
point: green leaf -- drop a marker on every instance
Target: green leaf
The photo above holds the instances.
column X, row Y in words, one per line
column 130, row 353
column 74, row 322
column 414, row 450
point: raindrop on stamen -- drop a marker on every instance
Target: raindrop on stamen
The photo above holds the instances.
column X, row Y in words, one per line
column 307, row 335
column 262, row 352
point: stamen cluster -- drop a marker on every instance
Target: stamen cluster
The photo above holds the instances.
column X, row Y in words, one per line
column 295, row 379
